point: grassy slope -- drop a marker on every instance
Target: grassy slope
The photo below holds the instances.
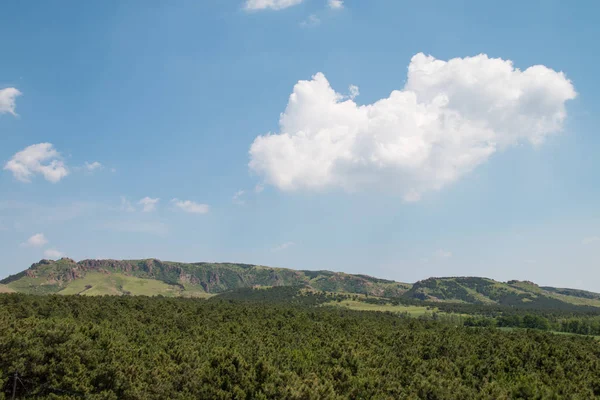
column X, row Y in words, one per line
column 5, row 289
column 362, row 306
column 487, row 291
column 573, row 297
column 97, row 284
column 40, row 285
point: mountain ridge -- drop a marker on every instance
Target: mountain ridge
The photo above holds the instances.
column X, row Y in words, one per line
column 49, row 276
column 202, row 279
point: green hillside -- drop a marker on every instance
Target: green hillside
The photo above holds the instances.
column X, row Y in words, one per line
column 97, row 284
column 154, row 277
column 475, row 290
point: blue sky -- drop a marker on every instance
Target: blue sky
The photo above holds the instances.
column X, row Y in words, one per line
column 174, row 101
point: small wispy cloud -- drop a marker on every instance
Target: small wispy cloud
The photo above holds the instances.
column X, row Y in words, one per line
column 237, row 198
column 283, row 246
column 126, row 205
column 255, row 5
column 335, row 4
column 8, row 100
column 591, row 240
column 53, row 254
column 37, row 240
column 259, row 188
column 311, row 21
column 191, row 206
column 354, row 92
column 93, row 166
column 412, row 196
column 148, row 204
column 443, row 254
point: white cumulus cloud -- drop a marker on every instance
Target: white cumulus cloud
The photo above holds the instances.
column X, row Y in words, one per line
column 450, row 117
column 8, row 100
column 270, row 4
column 37, row 240
column 191, row 206
column 148, row 204
column 335, row 4
column 53, row 254
column 39, row 158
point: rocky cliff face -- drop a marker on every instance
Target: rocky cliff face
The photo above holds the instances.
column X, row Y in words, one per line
column 210, row 277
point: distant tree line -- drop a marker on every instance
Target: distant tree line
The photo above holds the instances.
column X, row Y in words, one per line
column 582, row 320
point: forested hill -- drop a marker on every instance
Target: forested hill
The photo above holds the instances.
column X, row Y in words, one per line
column 153, row 277
column 475, row 290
